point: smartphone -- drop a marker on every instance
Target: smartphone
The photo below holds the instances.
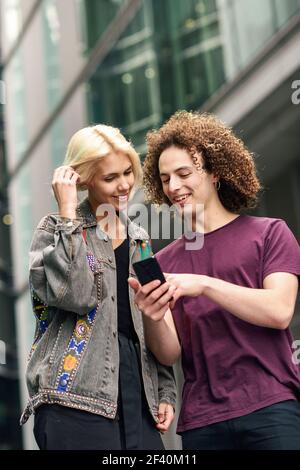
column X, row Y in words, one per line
column 148, row 270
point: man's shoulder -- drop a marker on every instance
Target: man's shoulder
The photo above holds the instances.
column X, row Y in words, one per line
column 170, row 250
column 262, row 224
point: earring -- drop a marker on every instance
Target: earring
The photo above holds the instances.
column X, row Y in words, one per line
column 218, row 185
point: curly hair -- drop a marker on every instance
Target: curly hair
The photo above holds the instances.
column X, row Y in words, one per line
column 223, row 154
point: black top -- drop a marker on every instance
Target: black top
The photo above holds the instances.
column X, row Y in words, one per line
column 125, row 323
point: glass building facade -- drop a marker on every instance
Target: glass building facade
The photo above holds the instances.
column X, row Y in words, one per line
column 172, row 54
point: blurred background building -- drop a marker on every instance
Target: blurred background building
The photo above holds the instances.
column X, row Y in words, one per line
column 131, row 63
column 10, row 436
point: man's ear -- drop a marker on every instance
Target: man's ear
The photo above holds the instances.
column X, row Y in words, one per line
column 214, row 178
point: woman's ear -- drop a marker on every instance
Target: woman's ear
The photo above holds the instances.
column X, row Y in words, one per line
column 90, row 184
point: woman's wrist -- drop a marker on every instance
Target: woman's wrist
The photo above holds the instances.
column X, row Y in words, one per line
column 67, row 212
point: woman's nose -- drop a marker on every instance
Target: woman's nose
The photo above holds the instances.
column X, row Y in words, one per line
column 123, row 183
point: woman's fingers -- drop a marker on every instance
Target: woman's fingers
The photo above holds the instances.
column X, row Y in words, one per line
column 65, row 173
column 165, row 416
column 65, row 191
column 75, row 178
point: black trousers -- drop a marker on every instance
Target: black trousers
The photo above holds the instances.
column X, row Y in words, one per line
column 58, row 427
column 275, row 427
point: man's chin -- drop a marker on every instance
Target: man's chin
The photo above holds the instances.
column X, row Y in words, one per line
column 184, row 209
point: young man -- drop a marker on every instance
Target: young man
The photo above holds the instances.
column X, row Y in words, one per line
column 226, row 307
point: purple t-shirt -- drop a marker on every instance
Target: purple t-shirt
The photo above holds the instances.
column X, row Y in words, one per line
column 231, row 367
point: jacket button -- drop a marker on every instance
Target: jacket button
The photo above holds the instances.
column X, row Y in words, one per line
column 110, row 259
column 113, row 298
column 114, row 334
column 63, row 382
column 113, row 369
column 108, row 409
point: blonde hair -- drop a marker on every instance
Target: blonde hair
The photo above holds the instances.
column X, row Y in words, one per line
column 88, row 145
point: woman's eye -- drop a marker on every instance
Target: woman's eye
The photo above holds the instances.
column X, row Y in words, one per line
column 109, row 179
column 185, row 175
column 165, row 181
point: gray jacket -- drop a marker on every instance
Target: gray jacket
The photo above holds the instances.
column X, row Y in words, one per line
column 74, row 360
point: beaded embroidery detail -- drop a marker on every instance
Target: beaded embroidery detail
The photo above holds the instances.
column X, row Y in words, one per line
column 41, row 313
column 79, row 338
column 75, row 350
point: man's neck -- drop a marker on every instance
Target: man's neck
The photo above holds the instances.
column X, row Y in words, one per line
column 214, row 217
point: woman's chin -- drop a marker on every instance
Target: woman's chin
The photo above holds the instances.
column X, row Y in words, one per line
column 122, row 207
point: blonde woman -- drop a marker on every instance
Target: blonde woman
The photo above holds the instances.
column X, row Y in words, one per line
column 92, row 382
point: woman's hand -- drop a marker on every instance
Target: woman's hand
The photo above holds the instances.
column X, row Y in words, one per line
column 153, row 298
column 185, row 285
column 64, row 187
column 165, row 415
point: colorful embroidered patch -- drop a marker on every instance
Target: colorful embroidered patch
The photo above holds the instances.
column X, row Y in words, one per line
column 80, row 335
column 75, row 350
column 70, row 363
column 77, row 347
column 92, row 261
column 80, row 329
column 63, row 382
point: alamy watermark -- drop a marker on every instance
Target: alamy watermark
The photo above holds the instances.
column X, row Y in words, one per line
column 161, row 223
column 2, row 352
column 296, row 353
column 295, row 97
column 2, row 92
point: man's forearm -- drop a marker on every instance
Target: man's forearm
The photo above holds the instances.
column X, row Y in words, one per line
column 162, row 340
column 261, row 307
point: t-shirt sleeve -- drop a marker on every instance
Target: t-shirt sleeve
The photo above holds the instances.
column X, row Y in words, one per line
column 281, row 250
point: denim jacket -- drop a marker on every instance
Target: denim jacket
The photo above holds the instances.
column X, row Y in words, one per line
column 74, row 360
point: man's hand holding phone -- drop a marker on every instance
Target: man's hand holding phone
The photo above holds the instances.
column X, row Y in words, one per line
column 152, row 298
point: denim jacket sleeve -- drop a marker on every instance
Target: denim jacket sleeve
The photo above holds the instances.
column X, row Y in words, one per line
column 166, row 385
column 59, row 271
